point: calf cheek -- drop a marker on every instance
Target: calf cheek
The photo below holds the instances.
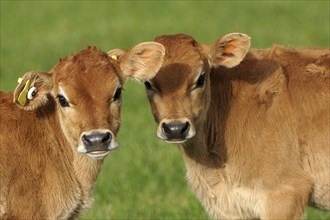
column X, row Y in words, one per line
column 154, row 107
column 71, row 127
column 155, row 112
column 115, row 118
column 198, row 106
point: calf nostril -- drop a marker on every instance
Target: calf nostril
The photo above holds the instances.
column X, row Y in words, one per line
column 97, row 138
column 86, row 140
column 166, row 128
column 107, row 136
column 175, row 129
column 185, row 128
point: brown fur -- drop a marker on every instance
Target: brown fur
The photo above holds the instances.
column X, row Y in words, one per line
column 42, row 174
column 261, row 148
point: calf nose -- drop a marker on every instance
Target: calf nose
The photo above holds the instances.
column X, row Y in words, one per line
column 97, row 140
column 176, row 130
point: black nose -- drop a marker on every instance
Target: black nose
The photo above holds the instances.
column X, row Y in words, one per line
column 97, row 141
column 176, row 130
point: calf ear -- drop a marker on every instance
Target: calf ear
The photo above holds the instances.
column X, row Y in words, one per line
column 32, row 90
column 143, row 61
column 230, row 50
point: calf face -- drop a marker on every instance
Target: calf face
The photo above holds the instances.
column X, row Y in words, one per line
column 179, row 94
column 85, row 92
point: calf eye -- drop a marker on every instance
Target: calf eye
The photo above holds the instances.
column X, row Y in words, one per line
column 201, row 80
column 148, row 85
column 63, row 101
column 117, row 95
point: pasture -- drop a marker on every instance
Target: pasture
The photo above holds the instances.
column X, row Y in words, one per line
column 145, row 178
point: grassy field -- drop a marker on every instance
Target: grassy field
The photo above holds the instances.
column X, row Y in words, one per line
column 145, row 178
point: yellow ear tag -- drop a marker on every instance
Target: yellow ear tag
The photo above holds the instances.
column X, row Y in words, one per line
column 21, row 100
column 114, row 57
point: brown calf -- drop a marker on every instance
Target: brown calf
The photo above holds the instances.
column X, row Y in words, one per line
column 254, row 134
column 60, row 128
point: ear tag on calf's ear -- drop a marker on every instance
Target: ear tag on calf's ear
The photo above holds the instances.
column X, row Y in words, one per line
column 114, row 57
column 21, row 100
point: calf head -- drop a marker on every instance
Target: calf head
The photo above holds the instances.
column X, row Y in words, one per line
column 86, row 89
column 179, row 94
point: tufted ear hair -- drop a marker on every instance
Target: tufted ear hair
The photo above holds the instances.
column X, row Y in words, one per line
column 230, row 50
column 142, row 62
column 32, row 90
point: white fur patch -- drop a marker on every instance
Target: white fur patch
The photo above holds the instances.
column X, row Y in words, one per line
column 81, row 149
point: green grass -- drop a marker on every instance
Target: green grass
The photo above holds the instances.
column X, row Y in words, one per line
column 144, row 178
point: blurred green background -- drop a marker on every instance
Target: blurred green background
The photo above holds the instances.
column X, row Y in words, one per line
column 145, row 178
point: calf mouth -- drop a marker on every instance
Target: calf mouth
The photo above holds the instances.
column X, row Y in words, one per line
column 169, row 140
column 175, row 141
column 99, row 154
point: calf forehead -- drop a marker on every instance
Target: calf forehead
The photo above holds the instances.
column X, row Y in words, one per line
column 89, row 71
column 180, row 48
column 183, row 61
column 173, row 77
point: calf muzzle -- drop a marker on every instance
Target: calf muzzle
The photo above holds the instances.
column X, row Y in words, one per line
column 96, row 141
column 97, row 144
column 175, row 130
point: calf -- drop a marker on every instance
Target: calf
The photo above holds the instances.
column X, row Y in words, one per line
column 254, row 134
column 59, row 129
